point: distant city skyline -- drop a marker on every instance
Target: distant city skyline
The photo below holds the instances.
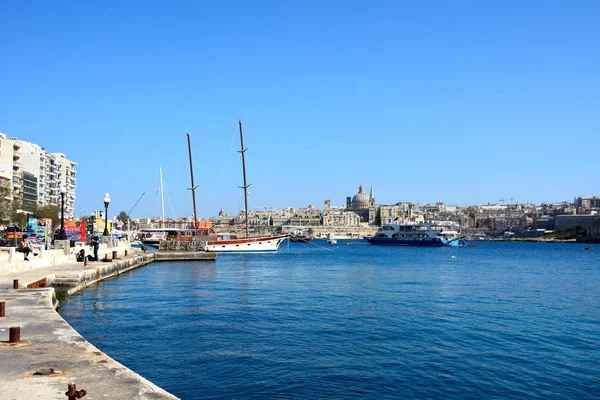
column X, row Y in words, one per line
column 465, row 102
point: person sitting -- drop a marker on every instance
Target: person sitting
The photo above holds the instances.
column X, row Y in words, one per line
column 24, row 247
column 80, row 256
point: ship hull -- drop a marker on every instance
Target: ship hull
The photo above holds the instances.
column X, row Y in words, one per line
column 381, row 241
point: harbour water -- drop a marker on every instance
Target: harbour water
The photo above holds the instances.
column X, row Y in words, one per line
column 500, row 320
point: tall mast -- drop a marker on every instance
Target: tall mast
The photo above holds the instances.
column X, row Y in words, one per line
column 162, row 200
column 193, row 188
column 245, row 187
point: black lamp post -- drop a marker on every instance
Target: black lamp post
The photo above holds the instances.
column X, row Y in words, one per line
column 61, row 233
column 106, row 202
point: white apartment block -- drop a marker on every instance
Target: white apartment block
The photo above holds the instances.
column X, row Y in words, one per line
column 68, row 177
column 34, row 175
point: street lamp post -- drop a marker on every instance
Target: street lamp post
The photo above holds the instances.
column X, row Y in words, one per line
column 61, row 233
column 106, row 202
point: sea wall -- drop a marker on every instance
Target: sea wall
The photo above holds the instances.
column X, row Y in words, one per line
column 50, row 354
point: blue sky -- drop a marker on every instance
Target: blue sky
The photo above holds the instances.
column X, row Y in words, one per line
column 463, row 101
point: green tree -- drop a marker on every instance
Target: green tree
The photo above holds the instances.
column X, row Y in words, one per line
column 48, row 211
column 6, row 208
column 125, row 219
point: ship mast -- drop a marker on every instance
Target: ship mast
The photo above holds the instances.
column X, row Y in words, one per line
column 245, row 187
column 193, row 188
column 162, row 200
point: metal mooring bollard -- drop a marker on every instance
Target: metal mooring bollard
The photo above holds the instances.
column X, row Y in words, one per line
column 85, row 260
column 73, row 393
column 114, row 256
column 14, row 334
column 126, row 253
column 2, row 309
column 15, row 284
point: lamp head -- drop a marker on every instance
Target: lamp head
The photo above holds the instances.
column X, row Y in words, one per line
column 106, row 198
column 63, row 188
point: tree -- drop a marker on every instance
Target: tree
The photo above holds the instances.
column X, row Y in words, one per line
column 125, row 219
column 8, row 206
column 6, row 209
column 51, row 211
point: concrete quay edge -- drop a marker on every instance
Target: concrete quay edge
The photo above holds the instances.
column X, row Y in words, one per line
column 49, row 342
column 185, row 255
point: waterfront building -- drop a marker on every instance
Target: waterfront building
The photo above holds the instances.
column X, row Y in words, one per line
column 594, row 230
column 544, row 223
column 566, row 222
column 509, row 222
column 338, row 216
column 34, row 175
column 403, row 212
column 307, row 217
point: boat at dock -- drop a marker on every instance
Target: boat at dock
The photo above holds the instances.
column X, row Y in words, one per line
column 231, row 243
column 246, row 244
column 152, row 237
column 420, row 234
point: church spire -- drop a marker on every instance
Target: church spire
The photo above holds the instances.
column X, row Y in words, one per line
column 372, row 198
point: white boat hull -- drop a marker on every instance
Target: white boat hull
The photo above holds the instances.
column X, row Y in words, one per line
column 265, row 243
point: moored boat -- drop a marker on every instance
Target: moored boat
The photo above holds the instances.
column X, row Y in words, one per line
column 331, row 239
column 420, row 234
column 152, row 237
column 248, row 243
column 300, row 238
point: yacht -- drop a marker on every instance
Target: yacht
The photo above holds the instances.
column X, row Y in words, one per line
column 420, row 234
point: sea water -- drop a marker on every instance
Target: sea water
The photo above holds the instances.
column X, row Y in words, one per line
column 351, row 320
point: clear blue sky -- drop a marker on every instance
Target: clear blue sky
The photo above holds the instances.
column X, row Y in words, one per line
column 463, row 101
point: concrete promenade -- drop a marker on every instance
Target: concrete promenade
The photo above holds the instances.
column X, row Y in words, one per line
column 50, row 353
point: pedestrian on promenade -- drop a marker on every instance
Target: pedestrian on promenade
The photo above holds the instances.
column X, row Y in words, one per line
column 24, row 247
column 95, row 244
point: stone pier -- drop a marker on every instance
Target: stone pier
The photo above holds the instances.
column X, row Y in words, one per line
column 49, row 354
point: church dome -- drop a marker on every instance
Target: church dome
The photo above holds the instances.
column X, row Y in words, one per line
column 360, row 199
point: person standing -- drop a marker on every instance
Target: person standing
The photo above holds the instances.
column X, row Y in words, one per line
column 95, row 244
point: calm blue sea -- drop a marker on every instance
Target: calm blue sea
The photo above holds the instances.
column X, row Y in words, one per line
column 500, row 320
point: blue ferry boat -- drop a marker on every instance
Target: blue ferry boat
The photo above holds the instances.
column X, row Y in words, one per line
column 420, row 234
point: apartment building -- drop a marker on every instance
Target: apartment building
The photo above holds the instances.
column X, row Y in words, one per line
column 68, row 178
column 34, row 176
